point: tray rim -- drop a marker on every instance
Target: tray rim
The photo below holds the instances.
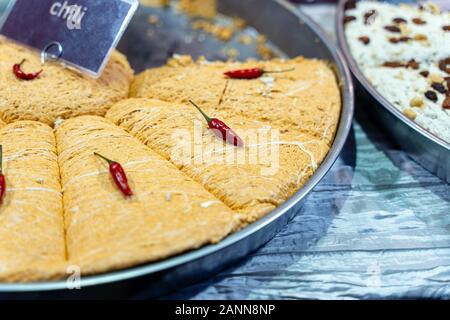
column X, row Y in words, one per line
column 359, row 75
column 344, row 79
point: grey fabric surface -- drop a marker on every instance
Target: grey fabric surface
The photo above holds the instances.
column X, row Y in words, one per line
column 378, row 226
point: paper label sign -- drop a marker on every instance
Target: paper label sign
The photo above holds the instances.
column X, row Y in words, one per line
column 84, row 31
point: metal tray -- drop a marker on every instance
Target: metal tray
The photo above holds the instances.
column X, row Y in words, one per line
column 293, row 33
column 422, row 146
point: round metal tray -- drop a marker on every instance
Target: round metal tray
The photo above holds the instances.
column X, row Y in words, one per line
column 422, row 146
column 294, row 34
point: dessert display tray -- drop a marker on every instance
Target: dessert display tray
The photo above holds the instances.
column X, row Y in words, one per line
column 424, row 147
column 290, row 33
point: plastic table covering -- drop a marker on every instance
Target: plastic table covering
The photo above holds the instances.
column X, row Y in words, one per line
column 377, row 226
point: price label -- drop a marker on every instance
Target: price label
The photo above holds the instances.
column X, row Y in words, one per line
column 81, row 32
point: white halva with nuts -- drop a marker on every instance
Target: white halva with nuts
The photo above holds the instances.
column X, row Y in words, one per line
column 404, row 51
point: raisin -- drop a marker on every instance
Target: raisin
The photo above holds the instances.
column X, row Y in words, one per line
column 424, row 73
column 348, row 19
column 439, row 87
column 431, row 95
column 370, row 16
column 364, row 40
column 420, row 37
column 393, row 29
column 446, row 28
column 446, row 103
column 399, row 20
column 350, row 4
column 418, row 21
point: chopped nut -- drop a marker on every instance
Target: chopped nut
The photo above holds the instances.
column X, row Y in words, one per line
column 436, row 78
column 433, row 8
column 420, row 37
column 393, row 29
column 424, row 73
column 439, row 87
column 431, row 95
column 399, row 75
column 410, row 113
column 364, row 39
column 404, row 30
column 418, row 21
column 446, row 28
column 416, row 102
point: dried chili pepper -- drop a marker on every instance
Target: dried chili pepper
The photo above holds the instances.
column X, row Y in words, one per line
column 118, row 175
column 221, row 129
column 2, row 176
column 252, row 73
column 17, row 69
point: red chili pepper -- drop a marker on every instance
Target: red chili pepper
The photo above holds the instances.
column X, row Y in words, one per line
column 118, row 175
column 2, row 176
column 251, row 73
column 221, row 129
column 17, row 69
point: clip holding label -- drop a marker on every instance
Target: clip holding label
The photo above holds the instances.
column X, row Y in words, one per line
column 74, row 24
column 45, row 55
